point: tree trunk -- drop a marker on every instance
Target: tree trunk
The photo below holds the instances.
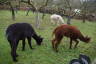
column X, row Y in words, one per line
column 84, row 18
column 13, row 14
column 43, row 15
column 12, row 10
column 37, row 24
column 27, row 13
column 69, row 20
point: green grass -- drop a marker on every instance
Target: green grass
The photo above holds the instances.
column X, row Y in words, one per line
column 44, row 54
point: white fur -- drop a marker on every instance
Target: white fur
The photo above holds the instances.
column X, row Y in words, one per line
column 57, row 19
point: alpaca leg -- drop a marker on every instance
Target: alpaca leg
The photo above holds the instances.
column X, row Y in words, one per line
column 13, row 54
column 53, row 41
column 55, row 22
column 10, row 43
column 13, row 51
column 52, row 21
column 23, row 44
column 56, row 46
column 57, row 43
column 16, row 48
column 76, row 43
column 29, row 42
column 58, row 22
column 70, row 44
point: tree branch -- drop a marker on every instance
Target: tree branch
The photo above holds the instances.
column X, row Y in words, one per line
column 29, row 2
column 46, row 3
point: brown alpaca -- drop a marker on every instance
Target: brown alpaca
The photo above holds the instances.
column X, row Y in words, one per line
column 68, row 31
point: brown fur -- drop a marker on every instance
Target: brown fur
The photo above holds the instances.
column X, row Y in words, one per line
column 68, row 31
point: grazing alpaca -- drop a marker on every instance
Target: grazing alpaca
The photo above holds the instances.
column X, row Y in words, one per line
column 57, row 19
column 20, row 31
column 68, row 31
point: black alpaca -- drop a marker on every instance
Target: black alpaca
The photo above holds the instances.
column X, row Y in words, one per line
column 20, row 31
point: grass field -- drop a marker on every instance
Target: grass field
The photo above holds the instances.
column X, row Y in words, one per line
column 44, row 54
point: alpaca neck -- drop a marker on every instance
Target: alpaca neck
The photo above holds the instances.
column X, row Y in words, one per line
column 35, row 37
column 82, row 38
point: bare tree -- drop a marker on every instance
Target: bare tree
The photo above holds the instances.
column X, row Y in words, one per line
column 84, row 8
column 35, row 6
column 12, row 10
column 68, row 5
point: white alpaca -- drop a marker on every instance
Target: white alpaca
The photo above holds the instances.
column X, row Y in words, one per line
column 57, row 19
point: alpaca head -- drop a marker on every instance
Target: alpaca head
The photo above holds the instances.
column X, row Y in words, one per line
column 87, row 39
column 39, row 40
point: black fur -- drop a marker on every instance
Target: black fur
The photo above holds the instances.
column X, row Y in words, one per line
column 20, row 31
